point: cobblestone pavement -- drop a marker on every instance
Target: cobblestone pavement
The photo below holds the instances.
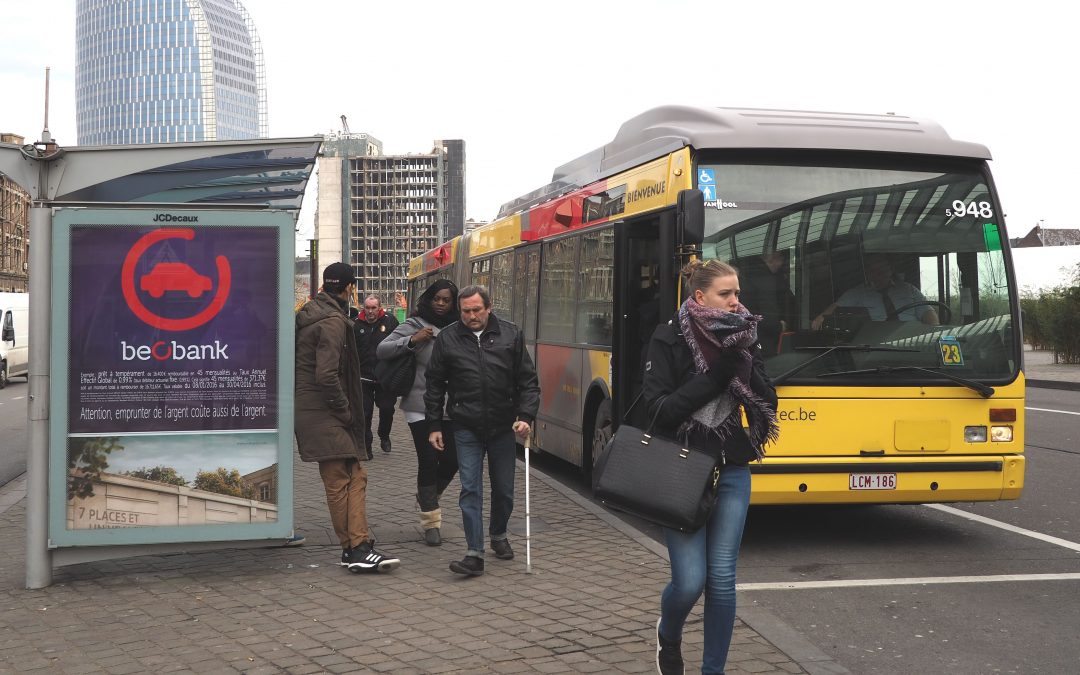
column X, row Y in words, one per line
column 590, row 604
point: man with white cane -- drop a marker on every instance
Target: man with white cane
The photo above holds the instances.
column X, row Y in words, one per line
column 481, row 366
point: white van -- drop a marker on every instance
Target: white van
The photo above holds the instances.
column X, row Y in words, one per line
column 14, row 336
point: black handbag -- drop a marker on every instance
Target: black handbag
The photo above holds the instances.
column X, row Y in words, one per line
column 396, row 374
column 656, row 478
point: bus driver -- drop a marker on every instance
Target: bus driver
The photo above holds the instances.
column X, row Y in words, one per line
column 882, row 295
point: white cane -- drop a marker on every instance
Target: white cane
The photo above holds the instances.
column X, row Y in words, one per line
column 528, row 515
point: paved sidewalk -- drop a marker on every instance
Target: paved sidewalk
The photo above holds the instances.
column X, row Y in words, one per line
column 589, row 606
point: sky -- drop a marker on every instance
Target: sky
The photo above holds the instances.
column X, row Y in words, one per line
column 531, row 85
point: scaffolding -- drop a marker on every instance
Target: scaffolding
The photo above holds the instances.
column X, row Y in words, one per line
column 396, row 213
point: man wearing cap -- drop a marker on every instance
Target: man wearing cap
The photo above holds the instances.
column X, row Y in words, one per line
column 329, row 417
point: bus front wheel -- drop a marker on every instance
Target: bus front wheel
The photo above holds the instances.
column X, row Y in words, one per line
column 602, row 426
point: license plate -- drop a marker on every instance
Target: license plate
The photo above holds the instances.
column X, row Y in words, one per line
column 872, row 481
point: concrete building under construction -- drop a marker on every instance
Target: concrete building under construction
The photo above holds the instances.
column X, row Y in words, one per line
column 378, row 211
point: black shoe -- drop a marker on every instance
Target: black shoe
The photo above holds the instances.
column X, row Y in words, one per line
column 470, row 565
column 385, row 443
column 364, row 558
column 502, row 549
column 668, row 655
column 432, row 536
column 346, row 557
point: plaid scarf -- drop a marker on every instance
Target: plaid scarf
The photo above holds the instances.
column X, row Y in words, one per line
column 709, row 332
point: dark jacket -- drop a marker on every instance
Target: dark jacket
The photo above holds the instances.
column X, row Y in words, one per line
column 767, row 293
column 491, row 383
column 368, row 337
column 329, row 399
column 670, row 379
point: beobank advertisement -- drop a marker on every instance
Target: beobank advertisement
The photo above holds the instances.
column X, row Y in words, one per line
column 172, row 328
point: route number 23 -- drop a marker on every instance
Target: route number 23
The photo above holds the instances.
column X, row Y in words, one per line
column 951, row 355
column 961, row 208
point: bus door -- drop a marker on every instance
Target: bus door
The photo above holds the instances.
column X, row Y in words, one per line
column 644, row 297
column 526, row 288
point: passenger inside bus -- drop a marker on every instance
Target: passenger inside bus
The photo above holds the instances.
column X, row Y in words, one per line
column 882, row 298
column 767, row 293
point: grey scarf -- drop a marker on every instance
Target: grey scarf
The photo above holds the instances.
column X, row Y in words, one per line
column 709, row 332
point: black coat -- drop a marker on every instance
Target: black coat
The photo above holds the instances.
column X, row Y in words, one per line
column 670, row 378
column 767, row 294
column 490, row 382
column 368, row 337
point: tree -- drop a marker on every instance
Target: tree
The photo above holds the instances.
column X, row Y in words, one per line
column 87, row 458
column 224, row 482
column 159, row 474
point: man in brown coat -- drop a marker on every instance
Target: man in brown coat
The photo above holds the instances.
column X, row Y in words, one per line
column 330, row 415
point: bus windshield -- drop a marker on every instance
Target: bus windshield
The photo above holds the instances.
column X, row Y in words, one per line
column 909, row 260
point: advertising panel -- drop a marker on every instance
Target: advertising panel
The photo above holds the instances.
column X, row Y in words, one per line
column 175, row 328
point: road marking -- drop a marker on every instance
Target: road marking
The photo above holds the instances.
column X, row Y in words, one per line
column 1065, row 543
column 1063, row 412
column 911, row 581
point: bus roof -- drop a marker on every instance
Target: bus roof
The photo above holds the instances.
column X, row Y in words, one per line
column 667, row 128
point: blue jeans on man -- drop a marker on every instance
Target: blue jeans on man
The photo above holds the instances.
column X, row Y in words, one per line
column 502, row 459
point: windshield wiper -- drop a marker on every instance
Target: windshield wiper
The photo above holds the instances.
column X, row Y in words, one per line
column 978, row 387
column 825, row 351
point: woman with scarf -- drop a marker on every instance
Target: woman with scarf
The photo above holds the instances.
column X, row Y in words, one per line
column 702, row 368
column 435, row 309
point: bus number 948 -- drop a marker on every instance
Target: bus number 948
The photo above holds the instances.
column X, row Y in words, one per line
column 961, row 208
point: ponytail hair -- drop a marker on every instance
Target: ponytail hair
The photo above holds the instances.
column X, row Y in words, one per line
column 700, row 274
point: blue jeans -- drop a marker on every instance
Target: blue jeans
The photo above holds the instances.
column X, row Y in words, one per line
column 705, row 561
column 502, row 458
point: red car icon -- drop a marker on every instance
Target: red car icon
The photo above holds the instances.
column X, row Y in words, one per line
column 174, row 277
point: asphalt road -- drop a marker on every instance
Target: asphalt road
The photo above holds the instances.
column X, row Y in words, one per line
column 13, row 440
column 967, row 618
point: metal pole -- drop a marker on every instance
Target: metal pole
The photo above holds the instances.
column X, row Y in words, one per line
column 38, row 555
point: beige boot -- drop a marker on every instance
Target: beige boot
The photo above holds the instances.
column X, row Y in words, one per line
column 431, row 521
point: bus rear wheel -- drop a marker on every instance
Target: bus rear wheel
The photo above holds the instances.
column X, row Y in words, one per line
column 4, row 375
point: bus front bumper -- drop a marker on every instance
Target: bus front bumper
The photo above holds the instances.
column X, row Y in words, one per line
column 887, row 480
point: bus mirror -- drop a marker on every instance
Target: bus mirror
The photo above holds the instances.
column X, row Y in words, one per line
column 691, row 217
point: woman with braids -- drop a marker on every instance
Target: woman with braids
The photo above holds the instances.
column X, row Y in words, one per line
column 702, row 368
column 435, row 309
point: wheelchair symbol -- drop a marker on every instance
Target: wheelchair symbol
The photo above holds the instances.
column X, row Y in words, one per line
column 705, row 176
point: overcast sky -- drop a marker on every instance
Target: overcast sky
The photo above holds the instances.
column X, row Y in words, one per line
column 531, row 85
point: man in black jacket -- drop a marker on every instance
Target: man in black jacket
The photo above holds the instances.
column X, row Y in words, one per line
column 482, row 363
column 371, row 327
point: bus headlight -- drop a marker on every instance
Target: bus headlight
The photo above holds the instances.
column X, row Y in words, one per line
column 974, row 434
column 1000, row 434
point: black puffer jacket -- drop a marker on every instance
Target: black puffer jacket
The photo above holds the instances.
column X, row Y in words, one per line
column 491, row 382
column 670, row 379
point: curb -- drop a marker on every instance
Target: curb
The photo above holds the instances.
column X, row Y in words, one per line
column 780, row 635
column 1053, row 384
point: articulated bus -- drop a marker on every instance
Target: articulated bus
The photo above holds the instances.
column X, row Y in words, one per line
column 918, row 403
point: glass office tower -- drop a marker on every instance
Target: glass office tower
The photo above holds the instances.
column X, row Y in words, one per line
column 167, row 71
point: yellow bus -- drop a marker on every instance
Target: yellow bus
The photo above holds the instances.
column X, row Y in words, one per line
column 913, row 398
